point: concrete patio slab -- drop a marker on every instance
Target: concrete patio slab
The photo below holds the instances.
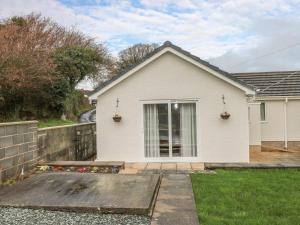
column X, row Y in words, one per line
column 169, row 166
column 108, row 193
column 197, row 166
column 162, row 168
column 138, row 166
column 184, row 166
column 153, row 166
column 129, row 171
column 133, row 168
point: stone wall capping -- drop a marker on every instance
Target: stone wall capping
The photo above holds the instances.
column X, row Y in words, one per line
column 19, row 122
column 72, row 125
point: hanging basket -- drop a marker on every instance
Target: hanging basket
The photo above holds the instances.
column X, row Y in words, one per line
column 117, row 118
column 225, row 115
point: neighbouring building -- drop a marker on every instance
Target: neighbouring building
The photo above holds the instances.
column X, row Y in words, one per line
column 275, row 110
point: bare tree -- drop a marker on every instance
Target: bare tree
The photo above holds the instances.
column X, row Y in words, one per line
column 134, row 54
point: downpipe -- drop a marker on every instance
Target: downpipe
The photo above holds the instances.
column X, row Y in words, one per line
column 285, row 124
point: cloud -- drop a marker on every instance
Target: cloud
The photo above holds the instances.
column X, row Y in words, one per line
column 276, row 48
column 225, row 32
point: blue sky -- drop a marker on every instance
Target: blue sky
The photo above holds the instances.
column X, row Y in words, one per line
column 227, row 33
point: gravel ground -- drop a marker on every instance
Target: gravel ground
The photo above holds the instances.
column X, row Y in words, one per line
column 17, row 216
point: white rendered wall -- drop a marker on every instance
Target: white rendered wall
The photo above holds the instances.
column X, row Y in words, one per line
column 254, row 124
column 273, row 128
column 170, row 77
column 293, row 120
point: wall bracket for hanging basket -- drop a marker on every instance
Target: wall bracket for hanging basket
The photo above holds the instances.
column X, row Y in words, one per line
column 117, row 118
column 225, row 115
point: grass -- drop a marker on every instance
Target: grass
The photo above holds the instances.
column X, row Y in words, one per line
column 54, row 122
column 248, row 197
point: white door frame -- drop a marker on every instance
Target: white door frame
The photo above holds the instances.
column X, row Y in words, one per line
column 169, row 102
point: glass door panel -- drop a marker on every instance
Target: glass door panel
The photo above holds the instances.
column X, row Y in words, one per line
column 170, row 130
column 163, row 130
column 183, row 127
column 176, row 142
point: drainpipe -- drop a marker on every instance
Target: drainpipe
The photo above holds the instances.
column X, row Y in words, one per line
column 285, row 124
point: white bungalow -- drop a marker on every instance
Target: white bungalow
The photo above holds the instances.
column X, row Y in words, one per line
column 175, row 107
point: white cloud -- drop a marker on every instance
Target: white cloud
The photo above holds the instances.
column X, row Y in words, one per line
column 277, row 47
column 226, row 32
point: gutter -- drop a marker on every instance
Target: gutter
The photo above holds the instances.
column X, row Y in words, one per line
column 262, row 98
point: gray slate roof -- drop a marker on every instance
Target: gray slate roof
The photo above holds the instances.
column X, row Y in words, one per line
column 280, row 83
column 186, row 53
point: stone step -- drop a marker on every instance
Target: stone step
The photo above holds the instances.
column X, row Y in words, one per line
column 118, row 164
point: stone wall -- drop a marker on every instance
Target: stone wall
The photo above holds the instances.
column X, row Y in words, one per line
column 72, row 142
column 22, row 145
column 18, row 148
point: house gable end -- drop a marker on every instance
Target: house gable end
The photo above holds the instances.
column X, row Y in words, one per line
column 169, row 47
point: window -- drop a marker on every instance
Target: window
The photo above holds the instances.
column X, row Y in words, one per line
column 170, row 129
column 263, row 111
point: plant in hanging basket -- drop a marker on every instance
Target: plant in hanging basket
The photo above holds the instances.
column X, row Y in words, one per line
column 225, row 115
column 117, row 118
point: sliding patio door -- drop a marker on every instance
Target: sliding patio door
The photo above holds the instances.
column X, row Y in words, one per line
column 170, row 129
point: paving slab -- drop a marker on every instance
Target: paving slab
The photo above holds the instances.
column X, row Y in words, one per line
column 84, row 192
column 197, row 166
column 184, row 166
column 153, row 166
column 169, row 166
column 138, row 166
column 129, row 171
column 133, row 168
column 175, row 203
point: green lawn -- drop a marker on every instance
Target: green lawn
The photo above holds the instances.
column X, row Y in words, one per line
column 54, row 122
column 248, row 197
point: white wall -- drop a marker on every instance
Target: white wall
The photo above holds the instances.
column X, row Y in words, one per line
column 273, row 128
column 254, row 124
column 170, row 77
column 293, row 120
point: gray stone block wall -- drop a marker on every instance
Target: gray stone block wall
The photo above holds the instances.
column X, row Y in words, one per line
column 67, row 142
column 18, row 148
column 22, row 145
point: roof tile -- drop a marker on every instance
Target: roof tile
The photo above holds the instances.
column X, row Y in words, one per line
column 280, row 83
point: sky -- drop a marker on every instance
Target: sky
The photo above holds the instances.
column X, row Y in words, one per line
column 237, row 36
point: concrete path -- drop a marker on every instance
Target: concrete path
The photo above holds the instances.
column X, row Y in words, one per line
column 175, row 203
column 88, row 117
